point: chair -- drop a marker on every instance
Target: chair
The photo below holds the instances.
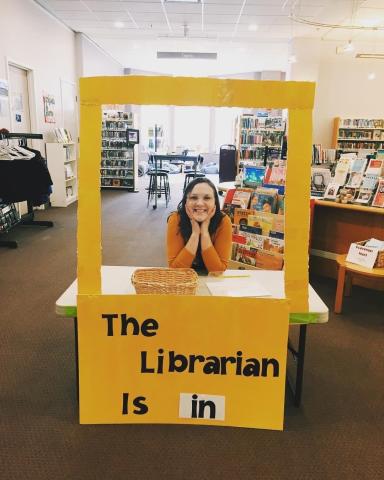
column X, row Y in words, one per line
column 158, row 180
column 194, row 174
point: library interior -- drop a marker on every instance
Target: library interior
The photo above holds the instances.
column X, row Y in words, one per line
column 192, row 233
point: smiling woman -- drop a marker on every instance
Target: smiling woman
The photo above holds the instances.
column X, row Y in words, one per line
column 199, row 235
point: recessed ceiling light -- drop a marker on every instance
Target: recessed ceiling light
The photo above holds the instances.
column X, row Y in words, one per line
column 253, row 27
column 371, row 76
column 118, row 24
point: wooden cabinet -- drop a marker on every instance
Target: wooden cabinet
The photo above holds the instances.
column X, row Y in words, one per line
column 335, row 227
column 62, row 165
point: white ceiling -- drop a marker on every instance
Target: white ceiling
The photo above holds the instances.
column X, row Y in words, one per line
column 171, row 25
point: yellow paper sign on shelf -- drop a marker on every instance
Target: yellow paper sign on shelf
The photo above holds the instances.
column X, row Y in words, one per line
column 182, row 359
column 188, row 324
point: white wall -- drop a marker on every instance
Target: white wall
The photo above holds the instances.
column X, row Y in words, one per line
column 92, row 61
column 342, row 85
column 32, row 38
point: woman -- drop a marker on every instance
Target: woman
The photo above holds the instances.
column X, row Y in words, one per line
column 199, row 234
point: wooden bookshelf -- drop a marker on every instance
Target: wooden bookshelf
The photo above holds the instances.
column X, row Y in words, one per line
column 358, row 133
column 253, row 135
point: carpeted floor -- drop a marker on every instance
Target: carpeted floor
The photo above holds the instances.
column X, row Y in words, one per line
column 336, row 434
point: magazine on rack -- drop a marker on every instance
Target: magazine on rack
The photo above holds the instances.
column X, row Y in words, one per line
column 378, row 199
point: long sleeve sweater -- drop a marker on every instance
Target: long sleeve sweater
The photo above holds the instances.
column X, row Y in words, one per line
column 215, row 258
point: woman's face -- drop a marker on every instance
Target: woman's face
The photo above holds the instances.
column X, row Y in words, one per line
column 200, row 202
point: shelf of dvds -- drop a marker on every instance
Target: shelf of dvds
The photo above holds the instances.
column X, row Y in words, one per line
column 358, row 133
column 62, row 165
column 118, row 167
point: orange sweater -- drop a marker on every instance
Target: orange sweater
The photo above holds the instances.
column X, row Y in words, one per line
column 215, row 257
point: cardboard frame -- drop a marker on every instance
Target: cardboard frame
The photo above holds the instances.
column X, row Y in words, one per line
column 297, row 97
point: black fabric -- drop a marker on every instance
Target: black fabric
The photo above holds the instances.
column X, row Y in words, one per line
column 22, row 180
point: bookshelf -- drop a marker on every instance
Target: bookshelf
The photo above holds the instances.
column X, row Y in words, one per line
column 62, row 165
column 358, row 133
column 255, row 137
column 118, row 167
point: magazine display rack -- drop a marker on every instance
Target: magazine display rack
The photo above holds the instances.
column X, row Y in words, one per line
column 118, row 160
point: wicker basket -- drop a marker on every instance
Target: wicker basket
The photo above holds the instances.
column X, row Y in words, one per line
column 165, row 281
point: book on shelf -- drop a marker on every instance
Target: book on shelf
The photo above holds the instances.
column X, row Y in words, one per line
column 378, row 199
column 375, row 166
column 332, row 190
column 369, row 181
column 242, row 197
column 277, row 175
column 358, row 165
column 364, row 196
column 68, row 171
column 229, row 195
column 267, row 222
column 253, row 176
column 320, row 178
column 241, row 215
column 250, row 229
column 244, row 254
column 264, row 199
column 355, row 179
column 229, row 210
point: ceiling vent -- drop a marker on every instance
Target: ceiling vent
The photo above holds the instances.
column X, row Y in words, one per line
column 371, row 56
column 188, row 55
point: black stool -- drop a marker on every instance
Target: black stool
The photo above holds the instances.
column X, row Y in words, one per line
column 191, row 176
column 158, row 185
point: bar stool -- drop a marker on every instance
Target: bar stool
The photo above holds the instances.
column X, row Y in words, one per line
column 158, row 186
column 345, row 276
column 194, row 174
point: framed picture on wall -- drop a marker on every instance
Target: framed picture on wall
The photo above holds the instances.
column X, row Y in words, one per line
column 132, row 136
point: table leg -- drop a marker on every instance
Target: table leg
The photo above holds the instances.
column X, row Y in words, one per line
column 347, row 284
column 76, row 358
column 296, row 386
column 339, row 289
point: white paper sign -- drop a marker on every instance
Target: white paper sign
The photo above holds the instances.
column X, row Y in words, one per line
column 361, row 255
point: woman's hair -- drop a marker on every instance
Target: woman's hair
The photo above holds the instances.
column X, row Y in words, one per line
column 185, row 222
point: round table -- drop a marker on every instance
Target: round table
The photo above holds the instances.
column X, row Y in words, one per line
column 344, row 279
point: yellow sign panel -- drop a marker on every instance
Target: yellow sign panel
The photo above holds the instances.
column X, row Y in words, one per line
column 205, row 360
column 205, row 331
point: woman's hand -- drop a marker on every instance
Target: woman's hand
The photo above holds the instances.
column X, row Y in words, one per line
column 205, row 224
column 195, row 225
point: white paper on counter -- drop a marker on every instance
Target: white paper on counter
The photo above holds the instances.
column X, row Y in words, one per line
column 237, row 287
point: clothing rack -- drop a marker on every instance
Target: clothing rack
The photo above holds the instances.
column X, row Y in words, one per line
column 28, row 218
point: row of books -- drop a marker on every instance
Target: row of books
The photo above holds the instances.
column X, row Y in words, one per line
column 361, row 123
column 127, row 154
column 117, row 163
column 322, row 155
column 114, row 143
column 119, row 173
column 362, row 134
column 273, row 123
column 261, row 199
column 260, row 241
column 253, row 137
column 347, row 144
column 116, row 182
column 62, row 135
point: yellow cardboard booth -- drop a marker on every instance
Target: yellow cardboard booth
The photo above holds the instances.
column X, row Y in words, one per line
column 182, row 359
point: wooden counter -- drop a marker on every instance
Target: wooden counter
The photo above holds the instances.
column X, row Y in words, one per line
column 335, row 227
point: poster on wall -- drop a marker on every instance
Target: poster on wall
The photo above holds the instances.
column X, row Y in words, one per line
column 49, row 108
column 4, row 98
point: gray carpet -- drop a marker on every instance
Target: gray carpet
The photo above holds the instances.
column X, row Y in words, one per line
column 336, row 434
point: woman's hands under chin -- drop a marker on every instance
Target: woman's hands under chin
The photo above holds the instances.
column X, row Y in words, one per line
column 195, row 225
column 205, row 224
